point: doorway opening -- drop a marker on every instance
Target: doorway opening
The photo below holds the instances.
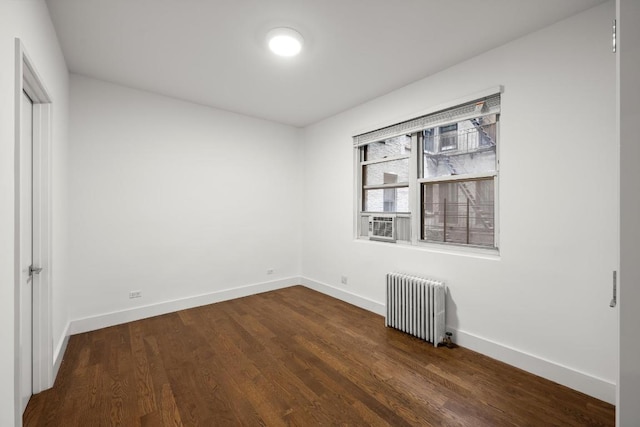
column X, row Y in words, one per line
column 32, row 297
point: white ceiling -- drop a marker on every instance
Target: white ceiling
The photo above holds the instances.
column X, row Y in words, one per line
column 213, row 52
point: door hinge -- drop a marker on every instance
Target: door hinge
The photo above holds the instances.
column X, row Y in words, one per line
column 614, row 300
column 614, row 36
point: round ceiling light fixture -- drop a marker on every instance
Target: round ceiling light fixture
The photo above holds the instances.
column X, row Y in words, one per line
column 285, row 41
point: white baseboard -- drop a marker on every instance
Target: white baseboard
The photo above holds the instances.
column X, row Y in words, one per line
column 341, row 294
column 118, row 317
column 580, row 381
column 58, row 352
column 569, row 377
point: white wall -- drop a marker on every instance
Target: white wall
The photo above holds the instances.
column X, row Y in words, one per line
column 542, row 304
column 29, row 20
column 176, row 200
column 628, row 16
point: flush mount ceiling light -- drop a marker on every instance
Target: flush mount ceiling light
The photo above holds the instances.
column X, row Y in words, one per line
column 285, row 41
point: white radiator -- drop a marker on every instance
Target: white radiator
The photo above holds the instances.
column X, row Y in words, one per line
column 415, row 305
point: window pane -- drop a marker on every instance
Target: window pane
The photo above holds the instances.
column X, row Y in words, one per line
column 459, row 212
column 448, row 137
column 468, row 146
column 391, row 172
column 392, row 147
column 386, row 200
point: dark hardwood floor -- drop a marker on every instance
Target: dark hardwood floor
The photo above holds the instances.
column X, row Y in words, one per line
column 292, row 357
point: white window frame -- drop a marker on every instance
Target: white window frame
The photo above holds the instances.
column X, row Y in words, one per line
column 415, row 183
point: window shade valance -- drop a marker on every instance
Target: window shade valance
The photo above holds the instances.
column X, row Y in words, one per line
column 479, row 107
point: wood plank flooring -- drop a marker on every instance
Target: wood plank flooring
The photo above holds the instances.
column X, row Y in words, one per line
column 292, row 357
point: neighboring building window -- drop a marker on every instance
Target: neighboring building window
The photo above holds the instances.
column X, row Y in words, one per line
column 450, row 198
column 448, row 136
column 385, row 175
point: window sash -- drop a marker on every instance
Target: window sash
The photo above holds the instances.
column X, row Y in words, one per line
column 458, row 215
column 466, row 177
column 387, row 159
column 388, row 194
column 383, row 186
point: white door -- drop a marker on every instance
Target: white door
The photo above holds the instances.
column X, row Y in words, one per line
column 628, row 407
column 26, row 251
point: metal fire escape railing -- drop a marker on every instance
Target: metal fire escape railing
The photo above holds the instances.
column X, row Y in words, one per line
column 484, row 217
column 472, row 140
column 481, row 130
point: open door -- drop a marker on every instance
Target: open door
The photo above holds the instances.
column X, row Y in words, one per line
column 33, row 332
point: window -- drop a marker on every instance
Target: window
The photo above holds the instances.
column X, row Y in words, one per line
column 385, row 175
column 459, row 214
column 435, row 176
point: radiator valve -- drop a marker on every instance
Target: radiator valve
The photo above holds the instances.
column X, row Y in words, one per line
column 448, row 340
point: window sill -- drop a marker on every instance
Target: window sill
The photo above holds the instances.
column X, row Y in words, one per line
column 447, row 249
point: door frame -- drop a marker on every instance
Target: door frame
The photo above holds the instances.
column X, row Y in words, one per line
column 28, row 80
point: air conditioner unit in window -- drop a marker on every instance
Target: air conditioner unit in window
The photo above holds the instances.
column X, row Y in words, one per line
column 382, row 227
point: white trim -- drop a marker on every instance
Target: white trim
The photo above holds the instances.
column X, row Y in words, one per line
column 588, row 384
column 414, row 191
column 42, row 293
column 60, row 350
column 399, row 213
column 459, row 249
column 433, row 109
column 31, row 81
column 496, row 188
column 17, row 395
column 383, row 186
column 492, row 254
column 105, row 320
column 42, row 310
column 28, row 80
column 384, row 159
column 357, row 201
column 341, row 294
column 464, row 177
column 593, row 386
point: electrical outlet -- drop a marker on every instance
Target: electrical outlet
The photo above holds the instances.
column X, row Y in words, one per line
column 344, row 280
column 135, row 294
column 270, row 271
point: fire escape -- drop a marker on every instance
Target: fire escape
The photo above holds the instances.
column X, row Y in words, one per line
column 483, row 140
column 485, row 218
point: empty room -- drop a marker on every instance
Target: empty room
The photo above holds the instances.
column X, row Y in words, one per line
column 285, row 212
